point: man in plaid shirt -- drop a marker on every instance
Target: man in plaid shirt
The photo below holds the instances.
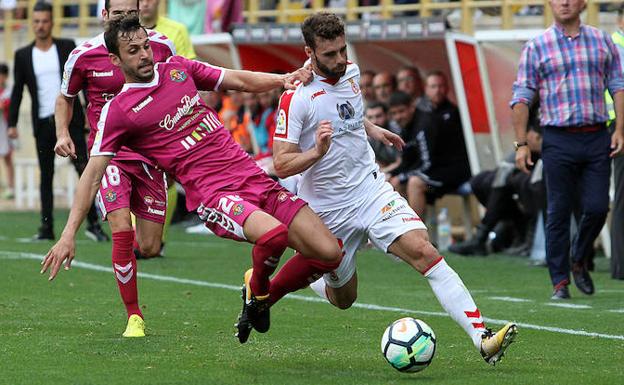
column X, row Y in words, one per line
column 568, row 67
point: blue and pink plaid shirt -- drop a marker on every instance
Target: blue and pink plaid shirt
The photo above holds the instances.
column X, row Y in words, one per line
column 570, row 74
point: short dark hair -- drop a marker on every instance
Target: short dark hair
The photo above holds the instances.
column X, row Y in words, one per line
column 620, row 10
column 4, row 69
column 42, row 6
column 124, row 27
column 399, row 98
column 324, row 25
column 107, row 5
column 374, row 105
column 367, row 72
column 412, row 69
column 435, row 73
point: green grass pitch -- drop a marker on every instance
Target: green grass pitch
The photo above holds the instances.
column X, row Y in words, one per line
column 69, row 331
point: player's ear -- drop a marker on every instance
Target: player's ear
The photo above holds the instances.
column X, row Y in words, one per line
column 114, row 59
column 308, row 51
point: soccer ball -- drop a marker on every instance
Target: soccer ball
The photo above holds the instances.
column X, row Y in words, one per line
column 408, row 344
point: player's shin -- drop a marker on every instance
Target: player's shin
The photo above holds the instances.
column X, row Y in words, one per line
column 266, row 255
column 125, row 268
column 455, row 299
column 298, row 273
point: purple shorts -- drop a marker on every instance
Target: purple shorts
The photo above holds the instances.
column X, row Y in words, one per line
column 135, row 185
column 225, row 215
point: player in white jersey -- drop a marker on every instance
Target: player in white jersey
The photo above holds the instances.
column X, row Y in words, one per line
column 321, row 133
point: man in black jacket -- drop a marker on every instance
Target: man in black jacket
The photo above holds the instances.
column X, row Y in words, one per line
column 441, row 165
column 39, row 66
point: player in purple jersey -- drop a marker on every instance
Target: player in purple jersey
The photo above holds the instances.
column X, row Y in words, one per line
column 131, row 183
column 159, row 114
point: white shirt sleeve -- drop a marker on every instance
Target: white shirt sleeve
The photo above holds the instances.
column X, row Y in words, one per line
column 291, row 116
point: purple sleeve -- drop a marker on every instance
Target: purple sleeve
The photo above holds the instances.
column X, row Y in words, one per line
column 111, row 130
column 526, row 84
column 73, row 77
column 207, row 77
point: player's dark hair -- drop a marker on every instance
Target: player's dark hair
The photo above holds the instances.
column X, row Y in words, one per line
column 374, row 105
column 399, row 98
column 107, row 5
column 324, row 25
column 42, row 6
column 123, row 28
column 4, row 69
column 620, row 10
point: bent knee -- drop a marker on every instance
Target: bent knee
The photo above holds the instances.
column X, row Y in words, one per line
column 344, row 304
column 331, row 252
column 151, row 249
column 342, row 301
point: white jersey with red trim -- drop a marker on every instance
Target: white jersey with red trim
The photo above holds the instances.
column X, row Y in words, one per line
column 348, row 170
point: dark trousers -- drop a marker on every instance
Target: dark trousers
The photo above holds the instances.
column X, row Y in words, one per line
column 574, row 162
column 617, row 221
column 45, row 138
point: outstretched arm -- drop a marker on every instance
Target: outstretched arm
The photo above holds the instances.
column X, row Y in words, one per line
column 88, row 186
column 249, row 81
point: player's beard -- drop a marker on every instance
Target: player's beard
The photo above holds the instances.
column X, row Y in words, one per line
column 143, row 74
column 336, row 73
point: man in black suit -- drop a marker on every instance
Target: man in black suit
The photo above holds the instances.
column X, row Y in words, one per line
column 39, row 66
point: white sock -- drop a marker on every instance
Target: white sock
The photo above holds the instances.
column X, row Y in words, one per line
column 319, row 287
column 456, row 300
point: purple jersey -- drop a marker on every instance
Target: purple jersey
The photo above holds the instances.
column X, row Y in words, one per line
column 89, row 68
column 167, row 121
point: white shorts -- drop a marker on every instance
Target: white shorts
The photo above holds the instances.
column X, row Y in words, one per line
column 382, row 216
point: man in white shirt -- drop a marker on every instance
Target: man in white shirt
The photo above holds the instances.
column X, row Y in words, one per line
column 321, row 133
column 39, row 66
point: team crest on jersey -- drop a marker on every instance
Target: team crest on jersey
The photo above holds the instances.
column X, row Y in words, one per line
column 110, row 196
column 345, row 111
column 177, row 76
column 354, row 86
column 280, row 128
column 148, row 200
column 282, row 196
column 238, row 209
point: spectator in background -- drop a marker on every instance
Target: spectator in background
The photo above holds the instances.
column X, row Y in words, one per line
column 410, row 82
column 448, row 166
column 577, row 148
column 232, row 114
column 415, row 157
column 386, row 156
column 366, row 87
column 617, row 211
column 384, row 84
column 39, row 67
column 6, row 145
column 176, row 32
column 496, row 189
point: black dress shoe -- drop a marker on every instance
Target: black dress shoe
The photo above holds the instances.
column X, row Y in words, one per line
column 562, row 292
column 582, row 279
column 45, row 233
column 96, row 233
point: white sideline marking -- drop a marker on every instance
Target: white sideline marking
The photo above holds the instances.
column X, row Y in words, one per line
column 567, row 305
column 617, row 311
column 510, row 299
column 108, row 269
